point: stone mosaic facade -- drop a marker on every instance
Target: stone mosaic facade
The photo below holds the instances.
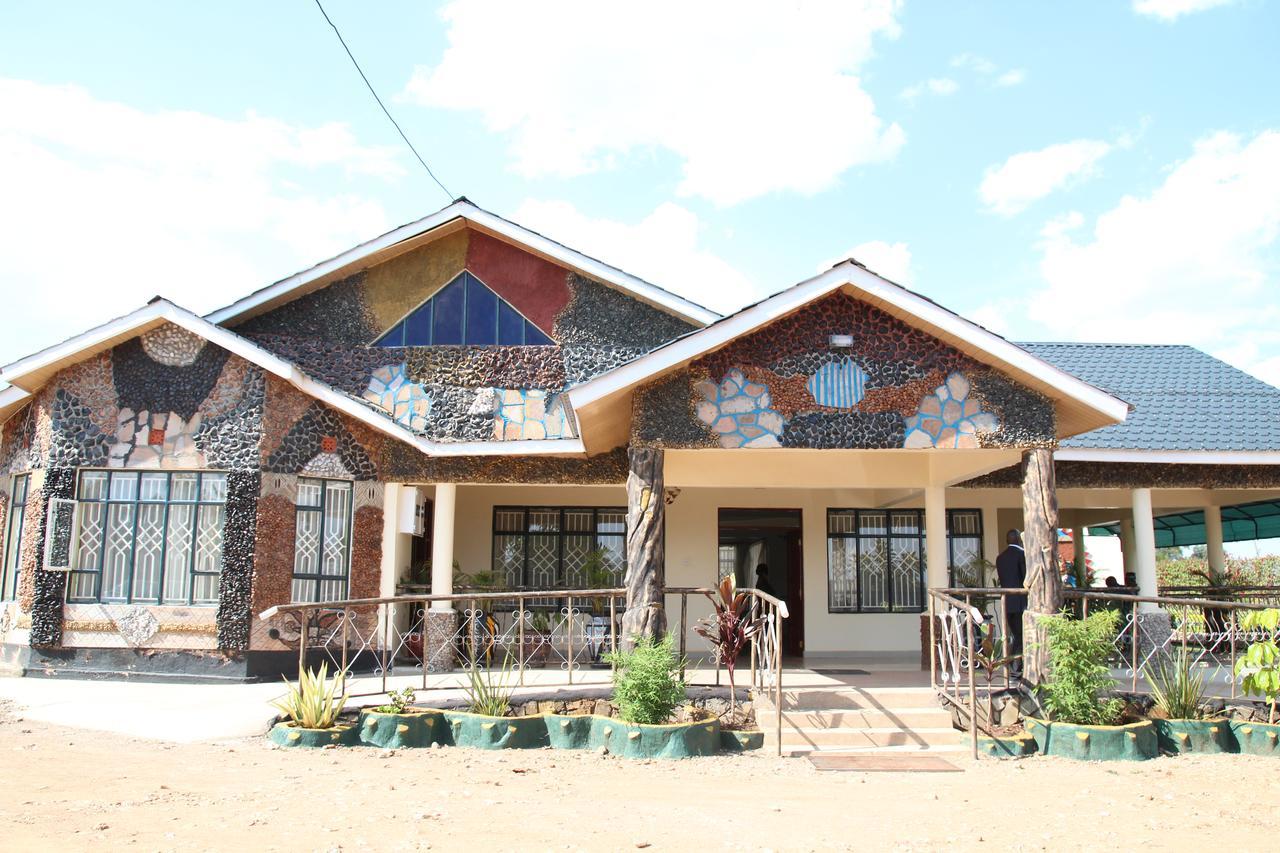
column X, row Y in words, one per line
column 894, row 387
column 440, row 392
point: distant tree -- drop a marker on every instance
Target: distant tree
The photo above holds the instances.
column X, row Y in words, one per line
column 1199, row 552
column 1164, row 555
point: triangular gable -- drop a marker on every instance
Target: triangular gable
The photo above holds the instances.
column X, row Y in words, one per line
column 603, row 403
column 468, row 312
column 498, row 231
column 29, row 374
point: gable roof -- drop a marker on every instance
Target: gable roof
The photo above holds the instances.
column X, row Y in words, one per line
column 29, row 374
column 1080, row 405
column 1185, row 401
column 461, row 213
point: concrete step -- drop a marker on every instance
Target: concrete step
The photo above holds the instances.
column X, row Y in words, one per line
column 837, row 718
column 854, row 698
column 943, row 750
column 870, row 737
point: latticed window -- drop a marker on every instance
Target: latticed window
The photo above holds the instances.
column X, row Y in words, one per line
column 559, row 547
column 14, row 526
column 151, row 537
column 322, row 540
column 964, row 547
column 876, row 558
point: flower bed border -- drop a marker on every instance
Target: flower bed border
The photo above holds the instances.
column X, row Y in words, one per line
column 1131, row 742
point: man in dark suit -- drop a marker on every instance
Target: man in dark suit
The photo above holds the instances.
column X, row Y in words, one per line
column 1011, row 568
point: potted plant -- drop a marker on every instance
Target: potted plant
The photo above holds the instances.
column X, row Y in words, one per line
column 1082, row 723
column 1259, row 672
column 729, row 628
column 1178, row 691
column 312, row 708
column 647, row 689
column 488, row 723
column 398, row 723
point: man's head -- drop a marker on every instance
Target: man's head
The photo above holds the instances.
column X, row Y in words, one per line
column 762, row 570
column 1013, row 537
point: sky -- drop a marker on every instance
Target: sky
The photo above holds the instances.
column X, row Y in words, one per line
column 1104, row 171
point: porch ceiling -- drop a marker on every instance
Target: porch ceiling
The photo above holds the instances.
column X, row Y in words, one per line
column 826, row 469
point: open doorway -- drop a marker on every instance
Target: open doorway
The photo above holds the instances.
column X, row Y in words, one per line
column 750, row 538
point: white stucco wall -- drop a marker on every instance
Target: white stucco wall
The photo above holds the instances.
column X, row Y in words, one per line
column 691, row 538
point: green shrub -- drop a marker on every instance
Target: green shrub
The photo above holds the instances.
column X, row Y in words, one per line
column 1176, row 687
column 400, row 701
column 1078, row 671
column 314, row 703
column 647, row 686
column 1259, row 667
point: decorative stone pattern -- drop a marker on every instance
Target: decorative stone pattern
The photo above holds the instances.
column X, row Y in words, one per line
column 738, row 412
column 1137, row 475
column 42, row 592
column 402, row 464
column 161, row 440
column 407, row 402
column 274, row 553
column 143, row 384
column 303, row 443
column 856, row 397
column 530, row 414
column 172, row 346
column 239, row 535
column 139, row 627
column 949, row 418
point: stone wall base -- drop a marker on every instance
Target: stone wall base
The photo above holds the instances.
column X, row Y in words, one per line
column 442, row 655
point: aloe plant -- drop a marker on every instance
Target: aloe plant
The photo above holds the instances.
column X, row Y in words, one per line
column 315, row 702
column 1177, row 688
column 488, row 693
column 729, row 628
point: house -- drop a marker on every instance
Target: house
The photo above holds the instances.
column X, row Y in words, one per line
column 170, row 477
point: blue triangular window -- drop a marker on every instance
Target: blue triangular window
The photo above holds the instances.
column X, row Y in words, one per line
column 464, row 311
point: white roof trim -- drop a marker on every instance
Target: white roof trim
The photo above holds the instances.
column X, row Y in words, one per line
column 11, row 400
column 466, row 210
column 1175, row 457
column 705, row 340
column 164, row 310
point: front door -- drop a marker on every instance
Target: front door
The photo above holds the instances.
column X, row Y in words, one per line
column 762, row 548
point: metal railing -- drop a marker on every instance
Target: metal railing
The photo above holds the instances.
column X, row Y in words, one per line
column 370, row 640
column 961, row 618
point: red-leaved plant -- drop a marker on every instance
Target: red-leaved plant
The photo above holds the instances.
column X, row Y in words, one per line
column 729, row 628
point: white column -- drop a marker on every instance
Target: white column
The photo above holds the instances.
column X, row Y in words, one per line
column 1213, row 535
column 935, row 532
column 1126, row 544
column 445, row 503
column 1077, row 544
column 390, row 569
column 1144, row 545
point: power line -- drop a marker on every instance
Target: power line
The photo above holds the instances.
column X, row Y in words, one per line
column 385, row 111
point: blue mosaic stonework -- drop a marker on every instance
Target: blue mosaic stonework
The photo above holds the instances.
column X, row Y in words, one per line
column 838, row 384
column 530, row 415
column 408, row 403
column 949, row 418
column 739, row 412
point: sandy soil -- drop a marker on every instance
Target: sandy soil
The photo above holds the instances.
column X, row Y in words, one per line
column 75, row 789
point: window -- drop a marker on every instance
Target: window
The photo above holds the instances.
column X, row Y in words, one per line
column 149, row 536
column 551, row 547
column 13, row 537
column 964, row 547
column 876, row 558
column 464, row 311
column 322, row 540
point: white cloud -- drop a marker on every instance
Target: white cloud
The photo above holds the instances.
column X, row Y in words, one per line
column 889, row 260
column 1171, row 10
column 1195, row 261
column 1012, row 77
column 663, row 248
column 941, row 86
column 1024, row 178
column 752, row 97
column 106, row 205
column 980, row 64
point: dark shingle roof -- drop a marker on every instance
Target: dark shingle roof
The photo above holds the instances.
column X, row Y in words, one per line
column 1183, row 399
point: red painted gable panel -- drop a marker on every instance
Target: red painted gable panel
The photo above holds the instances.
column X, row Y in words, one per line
column 537, row 288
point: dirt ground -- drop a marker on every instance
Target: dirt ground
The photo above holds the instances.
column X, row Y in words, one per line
column 76, row 789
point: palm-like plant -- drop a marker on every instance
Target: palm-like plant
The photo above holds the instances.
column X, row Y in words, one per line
column 729, row 628
column 990, row 656
column 314, row 703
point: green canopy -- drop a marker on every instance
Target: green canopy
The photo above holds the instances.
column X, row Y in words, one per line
column 1241, row 523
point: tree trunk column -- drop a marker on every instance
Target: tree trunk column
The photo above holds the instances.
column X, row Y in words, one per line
column 1040, row 542
column 645, row 615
